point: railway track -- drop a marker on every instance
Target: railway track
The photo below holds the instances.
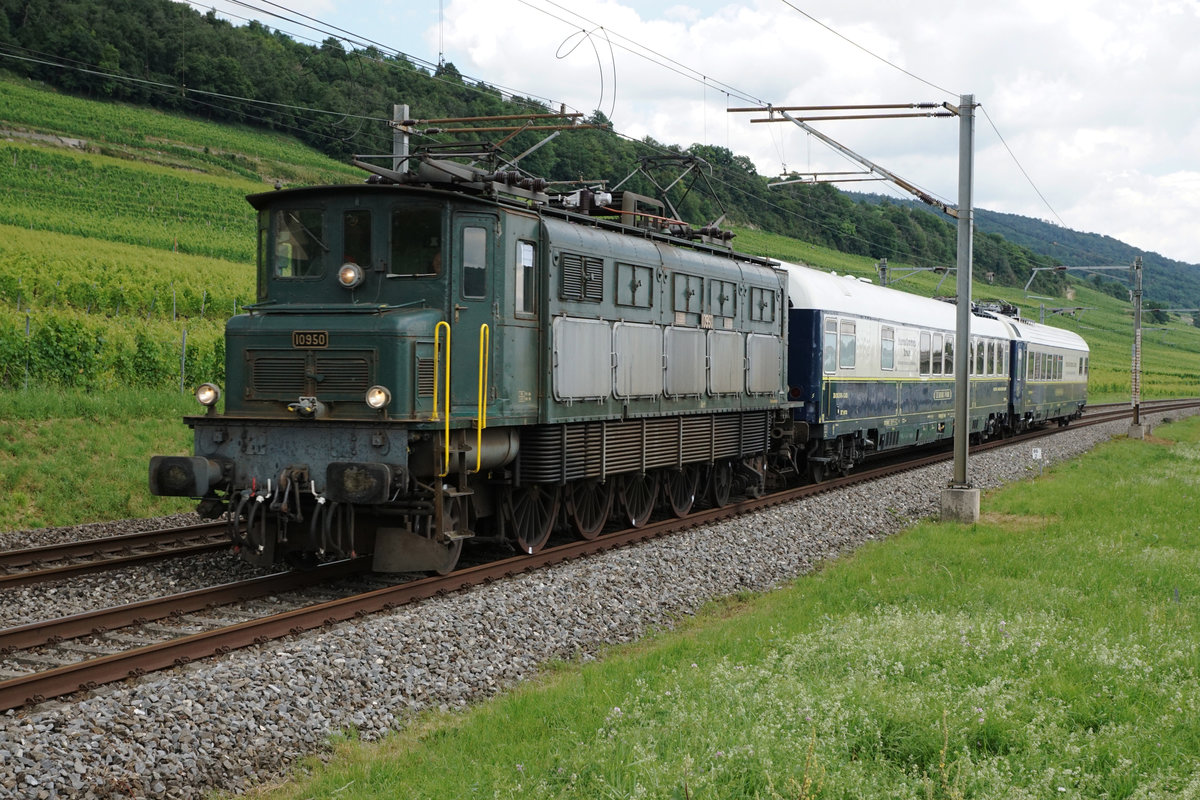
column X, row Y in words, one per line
column 90, row 672
column 68, row 559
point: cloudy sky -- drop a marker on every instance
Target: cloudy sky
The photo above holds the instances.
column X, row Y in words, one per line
column 1099, row 102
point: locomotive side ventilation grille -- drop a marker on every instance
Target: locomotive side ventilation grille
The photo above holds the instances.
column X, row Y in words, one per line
column 551, row 453
column 424, row 377
column 582, row 277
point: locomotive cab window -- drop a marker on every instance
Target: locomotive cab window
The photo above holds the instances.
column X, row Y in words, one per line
column 525, row 278
column 416, row 241
column 474, row 261
column 300, row 247
column 356, row 237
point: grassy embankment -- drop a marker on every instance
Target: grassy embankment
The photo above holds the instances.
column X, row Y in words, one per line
column 108, row 253
column 1052, row 650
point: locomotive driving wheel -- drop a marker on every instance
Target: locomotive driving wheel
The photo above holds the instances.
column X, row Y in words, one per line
column 680, row 488
column 455, row 512
column 638, row 492
column 530, row 512
column 720, row 484
column 588, row 505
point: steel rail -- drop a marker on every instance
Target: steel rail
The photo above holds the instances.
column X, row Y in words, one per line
column 87, row 675
column 107, row 619
column 108, row 544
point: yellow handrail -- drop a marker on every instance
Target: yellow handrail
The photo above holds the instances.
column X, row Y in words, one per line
column 437, row 330
column 485, row 344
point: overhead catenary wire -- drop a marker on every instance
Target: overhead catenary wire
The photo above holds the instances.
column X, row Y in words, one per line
column 165, row 87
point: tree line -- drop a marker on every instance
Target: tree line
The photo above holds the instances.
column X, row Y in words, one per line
column 170, row 56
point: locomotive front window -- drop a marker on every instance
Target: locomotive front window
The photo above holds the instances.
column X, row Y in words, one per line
column 356, row 237
column 416, row 241
column 300, row 249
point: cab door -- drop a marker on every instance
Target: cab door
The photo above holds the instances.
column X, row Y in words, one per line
column 472, row 286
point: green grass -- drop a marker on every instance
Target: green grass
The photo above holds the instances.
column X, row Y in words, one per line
column 172, row 140
column 68, row 457
column 1052, row 650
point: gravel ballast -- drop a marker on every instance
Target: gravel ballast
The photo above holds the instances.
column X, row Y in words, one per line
column 243, row 719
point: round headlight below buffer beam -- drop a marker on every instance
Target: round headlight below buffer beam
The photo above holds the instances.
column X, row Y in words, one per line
column 378, row 397
column 350, row 275
column 207, row 394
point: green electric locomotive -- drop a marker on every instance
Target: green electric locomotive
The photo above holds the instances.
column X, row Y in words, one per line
column 444, row 353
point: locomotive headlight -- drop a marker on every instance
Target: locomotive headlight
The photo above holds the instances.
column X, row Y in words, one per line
column 208, row 394
column 378, row 397
column 350, row 275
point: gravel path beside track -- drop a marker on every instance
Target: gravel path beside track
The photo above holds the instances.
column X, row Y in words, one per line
column 233, row 722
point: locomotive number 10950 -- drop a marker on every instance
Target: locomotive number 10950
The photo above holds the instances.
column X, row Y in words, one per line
column 310, row 338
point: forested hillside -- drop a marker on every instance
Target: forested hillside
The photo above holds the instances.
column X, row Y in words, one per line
column 170, row 56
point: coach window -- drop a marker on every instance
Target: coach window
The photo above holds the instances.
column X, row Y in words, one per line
column 1004, row 360
column 526, row 270
column 936, row 365
column 991, row 358
column 948, row 353
column 925, row 344
column 830, row 346
column 474, row 261
column 847, row 345
column 978, row 357
column 887, row 348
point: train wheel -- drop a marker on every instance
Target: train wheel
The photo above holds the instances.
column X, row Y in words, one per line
column 455, row 515
column 679, row 487
column 638, row 492
column 530, row 512
column 720, row 484
column 816, row 471
column 588, row 504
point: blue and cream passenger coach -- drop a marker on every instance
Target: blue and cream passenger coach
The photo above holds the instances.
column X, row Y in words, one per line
column 874, row 370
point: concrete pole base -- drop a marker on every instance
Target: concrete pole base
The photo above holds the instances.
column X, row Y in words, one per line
column 1139, row 431
column 960, row 505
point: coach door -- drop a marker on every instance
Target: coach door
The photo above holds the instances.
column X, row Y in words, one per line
column 473, row 248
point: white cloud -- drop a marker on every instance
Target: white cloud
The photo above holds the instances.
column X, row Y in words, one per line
column 1097, row 100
